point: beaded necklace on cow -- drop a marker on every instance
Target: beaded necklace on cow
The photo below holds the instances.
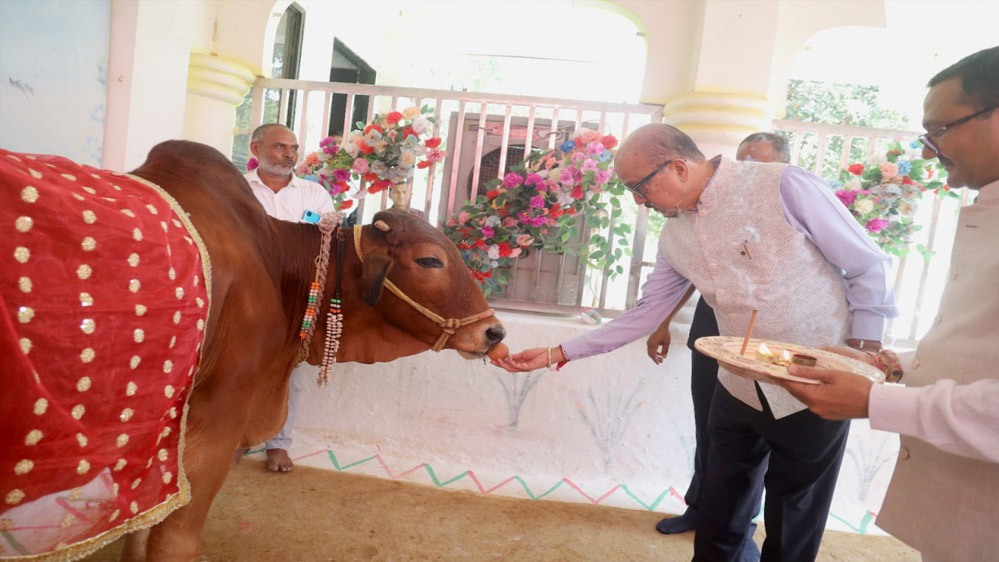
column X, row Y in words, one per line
column 447, row 325
column 328, row 223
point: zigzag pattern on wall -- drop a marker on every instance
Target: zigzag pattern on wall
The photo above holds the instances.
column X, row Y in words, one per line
column 860, row 528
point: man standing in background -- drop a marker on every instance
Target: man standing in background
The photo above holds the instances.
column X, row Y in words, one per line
column 287, row 197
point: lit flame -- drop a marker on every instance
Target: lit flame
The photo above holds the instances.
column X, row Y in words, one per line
column 764, row 350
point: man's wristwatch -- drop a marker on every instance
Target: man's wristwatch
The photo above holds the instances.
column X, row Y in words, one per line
column 864, row 345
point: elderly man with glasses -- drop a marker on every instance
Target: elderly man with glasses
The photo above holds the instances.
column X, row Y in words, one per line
column 943, row 498
column 750, row 236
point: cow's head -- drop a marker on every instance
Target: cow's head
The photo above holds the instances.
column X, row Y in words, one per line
column 428, row 269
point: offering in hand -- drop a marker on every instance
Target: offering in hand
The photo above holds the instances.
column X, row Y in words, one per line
column 499, row 351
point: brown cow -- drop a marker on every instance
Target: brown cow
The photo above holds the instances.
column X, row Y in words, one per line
column 261, row 269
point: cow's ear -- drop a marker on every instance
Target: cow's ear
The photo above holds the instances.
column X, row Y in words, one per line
column 376, row 267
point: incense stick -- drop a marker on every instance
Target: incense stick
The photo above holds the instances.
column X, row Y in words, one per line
column 749, row 331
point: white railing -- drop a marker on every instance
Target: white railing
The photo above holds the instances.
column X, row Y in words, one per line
column 503, row 128
column 483, row 133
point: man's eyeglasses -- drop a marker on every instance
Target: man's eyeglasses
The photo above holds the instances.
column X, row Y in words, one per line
column 637, row 188
column 927, row 138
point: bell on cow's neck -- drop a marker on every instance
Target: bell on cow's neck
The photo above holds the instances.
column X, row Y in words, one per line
column 398, row 193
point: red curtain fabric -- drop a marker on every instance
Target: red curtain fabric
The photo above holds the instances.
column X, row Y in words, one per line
column 104, row 304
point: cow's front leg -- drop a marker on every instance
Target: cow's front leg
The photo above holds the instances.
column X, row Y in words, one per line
column 207, row 458
column 134, row 546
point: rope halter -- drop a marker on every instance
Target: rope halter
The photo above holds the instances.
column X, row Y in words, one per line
column 448, row 326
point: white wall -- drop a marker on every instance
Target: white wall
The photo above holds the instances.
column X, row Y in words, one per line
column 614, row 429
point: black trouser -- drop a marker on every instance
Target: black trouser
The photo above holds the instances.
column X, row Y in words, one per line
column 703, row 378
column 800, row 456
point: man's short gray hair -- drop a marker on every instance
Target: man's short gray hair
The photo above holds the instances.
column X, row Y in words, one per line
column 779, row 142
column 259, row 132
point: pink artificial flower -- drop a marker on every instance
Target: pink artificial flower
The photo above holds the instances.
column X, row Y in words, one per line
column 487, row 232
column 331, row 149
column 590, row 165
column 511, row 180
column 533, row 179
column 311, row 159
column 594, row 148
column 602, row 177
column 463, row 218
column 538, row 201
column 889, row 169
column 846, row 196
column 589, row 135
column 302, row 169
column 435, row 155
column 360, row 166
column 875, row 225
column 341, row 174
column 565, row 177
column 515, row 252
column 252, row 164
column 524, row 240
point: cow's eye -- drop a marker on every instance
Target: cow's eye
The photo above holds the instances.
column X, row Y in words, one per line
column 429, row 263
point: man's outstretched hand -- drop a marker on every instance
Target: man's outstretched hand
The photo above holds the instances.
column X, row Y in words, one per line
column 530, row 359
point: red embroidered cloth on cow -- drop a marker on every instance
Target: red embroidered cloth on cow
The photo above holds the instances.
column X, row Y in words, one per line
column 104, row 291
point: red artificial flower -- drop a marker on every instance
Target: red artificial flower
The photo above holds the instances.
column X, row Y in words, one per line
column 906, row 180
column 480, row 243
column 379, row 185
column 432, row 142
column 424, row 164
column 556, row 211
column 374, row 126
column 370, row 177
column 406, row 131
column 365, row 148
column 466, row 245
column 346, row 204
column 504, row 250
column 492, row 194
column 577, row 192
column 856, row 169
column 393, row 117
column 608, row 141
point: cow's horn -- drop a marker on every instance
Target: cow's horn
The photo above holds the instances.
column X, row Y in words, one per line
column 383, row 226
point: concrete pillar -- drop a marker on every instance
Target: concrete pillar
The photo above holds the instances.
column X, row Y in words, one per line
column 720, row 67
column 216, row 85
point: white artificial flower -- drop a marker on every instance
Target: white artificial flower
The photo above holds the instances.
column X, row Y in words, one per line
column 853, row 185
column 322, row 156
column 493, row 221
column 420, row 124
column 350, row 148
column 863, row 206
column 494, row 252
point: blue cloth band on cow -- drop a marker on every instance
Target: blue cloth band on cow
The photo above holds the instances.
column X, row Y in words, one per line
column 447, row 325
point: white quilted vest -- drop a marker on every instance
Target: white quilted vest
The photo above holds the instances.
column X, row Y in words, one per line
column 800, row 297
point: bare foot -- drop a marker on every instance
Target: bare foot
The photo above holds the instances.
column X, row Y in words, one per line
column 238, row 455
column 279, row 461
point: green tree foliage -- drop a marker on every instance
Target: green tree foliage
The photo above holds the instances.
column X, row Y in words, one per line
column 840, row 104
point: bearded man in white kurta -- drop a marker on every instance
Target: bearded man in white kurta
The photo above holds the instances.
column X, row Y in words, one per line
column 287, row 197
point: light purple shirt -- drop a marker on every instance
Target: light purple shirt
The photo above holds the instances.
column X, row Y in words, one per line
column 812, row 209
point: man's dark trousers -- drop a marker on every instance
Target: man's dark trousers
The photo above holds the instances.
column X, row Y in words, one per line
column 799, row 457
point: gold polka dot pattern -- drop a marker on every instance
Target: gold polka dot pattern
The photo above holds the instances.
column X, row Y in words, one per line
column 33, row 437
column 83, row 263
